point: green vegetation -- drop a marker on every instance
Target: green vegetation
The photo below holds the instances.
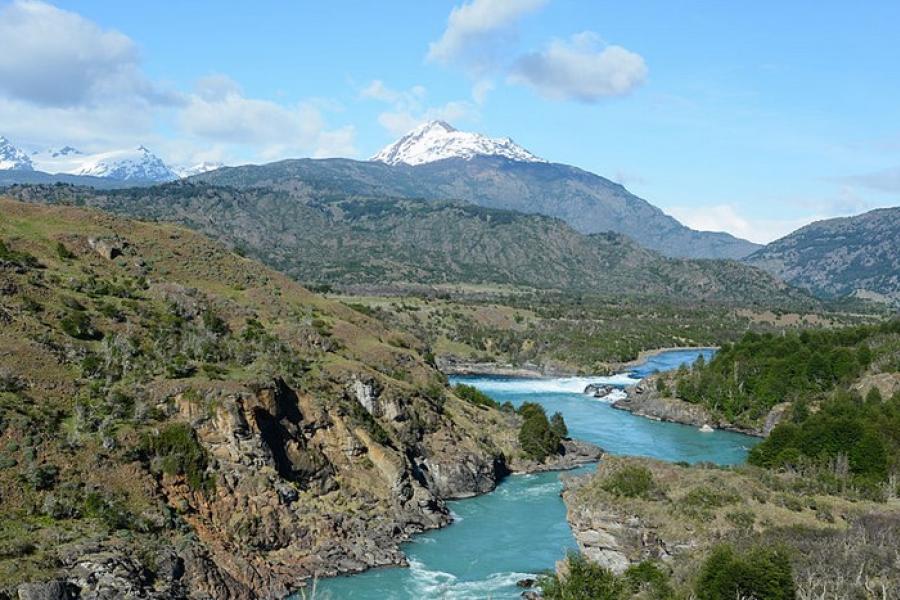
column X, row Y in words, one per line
column 538, row 439
column 848, row 441
column 584, row 580
column 176, row 451
column 756, row 573
column 632, row 481
column 23, row 259
column 746, row 379
column 473, row 395
column 385, row 240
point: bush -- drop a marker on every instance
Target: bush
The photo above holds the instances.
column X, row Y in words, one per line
column 473, row 395
column 632, row 481
column 583, row 580
column 757, row 573
column 63, row 252
column 648, row 577
column 537, row 438
column 79, row 326
column 178, row 452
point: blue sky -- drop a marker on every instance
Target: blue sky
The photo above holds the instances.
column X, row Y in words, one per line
column 752, row 117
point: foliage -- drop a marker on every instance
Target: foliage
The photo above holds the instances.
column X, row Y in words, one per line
column 176, row 450
column 745, row 380
column 583, row 580
column 537, row 437
column 63, row 252
column 473, row 395
column 757, row 573
column 863, row 435
column 78, row 325
column 23, row 259
column 632, row 481
column 558, row 426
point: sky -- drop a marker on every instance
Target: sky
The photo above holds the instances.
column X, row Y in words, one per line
column 753, row 118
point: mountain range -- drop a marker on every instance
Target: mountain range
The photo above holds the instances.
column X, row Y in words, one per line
column 849, row 256
column 436, row 161
column 133, row 166
column 357, row 241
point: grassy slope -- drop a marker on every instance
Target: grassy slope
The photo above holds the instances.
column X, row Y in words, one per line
column 691, row 509
column 74, row 412
column 318, row 237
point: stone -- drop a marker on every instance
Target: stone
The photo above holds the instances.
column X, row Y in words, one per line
column 49, row 590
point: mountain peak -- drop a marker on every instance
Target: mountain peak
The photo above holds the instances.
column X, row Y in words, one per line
column 12, row 158
column 438, row 140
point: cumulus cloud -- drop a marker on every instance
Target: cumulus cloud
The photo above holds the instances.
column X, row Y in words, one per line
column 580, row 68
column 219, row 111
column 475, row 28
column 66, row 80
column 726, row 217
column 408, row 108
column 57, row 58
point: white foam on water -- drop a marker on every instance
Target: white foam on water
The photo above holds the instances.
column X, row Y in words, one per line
column 429, row 583
column 559, row 385
column 531, row 491
column 613, row 396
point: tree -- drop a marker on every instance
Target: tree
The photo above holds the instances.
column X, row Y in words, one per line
column 758, row 573
column 558, row 426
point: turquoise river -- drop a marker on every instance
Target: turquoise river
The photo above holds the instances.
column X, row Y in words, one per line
column 520, row 529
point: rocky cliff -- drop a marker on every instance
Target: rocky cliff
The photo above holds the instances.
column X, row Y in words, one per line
column 180, row 422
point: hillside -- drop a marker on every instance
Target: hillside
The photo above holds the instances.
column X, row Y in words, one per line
column 353, row 240
column 178, row 421
column 857, row 255
column 587, row 202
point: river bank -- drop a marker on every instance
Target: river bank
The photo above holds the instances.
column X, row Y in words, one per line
column 680, row 512
column 520, row 529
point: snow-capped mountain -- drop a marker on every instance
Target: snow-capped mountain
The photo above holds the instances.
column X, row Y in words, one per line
column 201, row 167
column 12, row 158
column 436, row 140
column 138, row 164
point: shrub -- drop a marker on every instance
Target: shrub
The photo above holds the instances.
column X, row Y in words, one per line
column 179, row 453
column 583, row 580
column 757, row 573
column 473, row 395
column 79, row 326
column 648, row 577
column 631, row 481
column 63, row 252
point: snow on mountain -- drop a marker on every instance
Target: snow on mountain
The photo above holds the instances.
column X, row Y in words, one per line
column 201, row 167
column 436, row 140
column 12, row 158
column 138, row 164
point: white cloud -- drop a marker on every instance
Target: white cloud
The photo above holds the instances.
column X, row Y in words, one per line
column 581, row 68
column 408, row 108
column 219, row 112
column 725, row 217
column 66, row 80
column 57, row 58
column 475, row 28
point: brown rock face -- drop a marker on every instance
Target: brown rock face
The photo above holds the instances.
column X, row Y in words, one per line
column 305, row 491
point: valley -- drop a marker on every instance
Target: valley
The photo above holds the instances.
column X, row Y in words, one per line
column 275, row 376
